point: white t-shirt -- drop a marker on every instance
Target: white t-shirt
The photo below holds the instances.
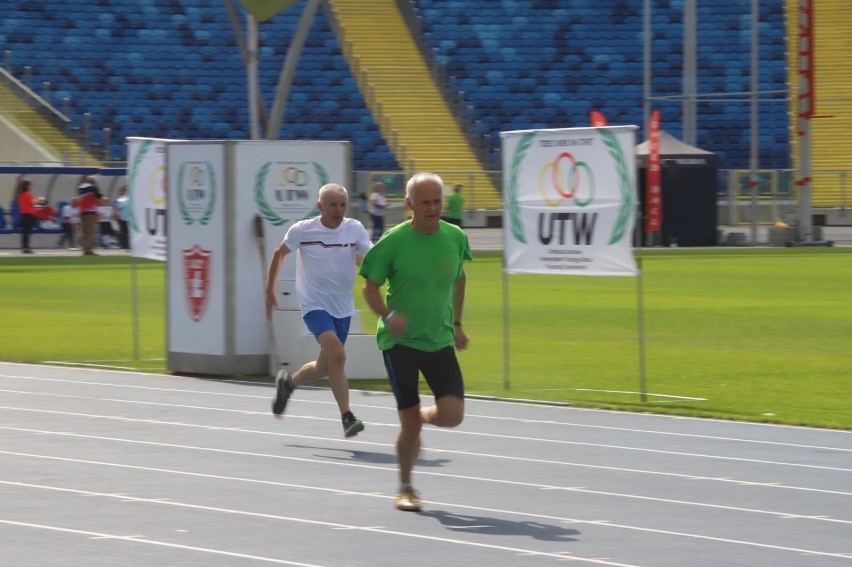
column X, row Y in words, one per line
column 105, row 213
column 377, row 204
column 325, row 264
column 70, row 214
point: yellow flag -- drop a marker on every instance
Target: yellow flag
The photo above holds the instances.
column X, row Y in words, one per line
column 262, row 10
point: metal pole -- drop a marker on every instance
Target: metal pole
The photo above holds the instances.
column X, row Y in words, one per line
column 251, row 75
column 689, row 71
column 288, row 71
column 105, row 143
column 755, row 148
column 85, row 142
column 646, row 68
column 640, row 309
column 507, row 381
column 134, row 305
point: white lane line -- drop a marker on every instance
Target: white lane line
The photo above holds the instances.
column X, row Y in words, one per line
column 773, row 513
column 848, row 434
column 435, row 450
column 135, row 539
column 294, row 519
column 602, row 523
column 432, row 450
column 457, row 432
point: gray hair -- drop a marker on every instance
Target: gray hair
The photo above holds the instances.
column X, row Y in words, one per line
column 334, row 188
column 418, row 178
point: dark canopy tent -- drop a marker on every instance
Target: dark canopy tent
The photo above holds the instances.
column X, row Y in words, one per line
column 688, row 178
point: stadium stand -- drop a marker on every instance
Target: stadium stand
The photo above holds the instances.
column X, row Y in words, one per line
column 414, row 115
column 546, row 63
column 171, row 68
column 831, row 146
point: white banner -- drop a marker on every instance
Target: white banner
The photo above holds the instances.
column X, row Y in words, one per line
column 569, row 197
column 280, row 181
column 146, row 186
column 196, row 248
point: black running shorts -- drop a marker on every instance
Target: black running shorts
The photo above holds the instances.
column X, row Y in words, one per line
column 440, row 369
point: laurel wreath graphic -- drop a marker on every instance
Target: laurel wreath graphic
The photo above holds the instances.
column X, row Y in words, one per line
column 626, row 207
column 131, row 182
column 211, row 203
column 516, row 225
column 263, row 206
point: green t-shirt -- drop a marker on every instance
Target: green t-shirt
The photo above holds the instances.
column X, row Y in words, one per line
column 421, row 271
column 455, row 204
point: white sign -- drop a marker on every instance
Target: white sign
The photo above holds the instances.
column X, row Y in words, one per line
column 280, row 181
column 196, row 248
column 569, row 197
column 215, row 275
column 146, row 184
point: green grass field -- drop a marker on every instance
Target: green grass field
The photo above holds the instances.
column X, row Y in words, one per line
column 755, row 334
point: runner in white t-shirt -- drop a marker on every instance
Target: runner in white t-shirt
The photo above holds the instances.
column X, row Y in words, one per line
column 327, row 248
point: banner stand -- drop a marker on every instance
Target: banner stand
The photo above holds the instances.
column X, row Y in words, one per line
column 569, row 209
column 640, row 307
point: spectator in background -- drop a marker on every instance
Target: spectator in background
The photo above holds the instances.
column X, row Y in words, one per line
column 455, row 206
column 122, row 215
column 44, row 212
column 70, row 218
column 376, row 206
column 26, row 207
column 363, row 208
column 89, row 198
column 106, row 214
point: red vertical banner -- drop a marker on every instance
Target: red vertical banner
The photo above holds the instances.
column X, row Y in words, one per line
column 653, row 195
column 597, row 119
column 807, row 97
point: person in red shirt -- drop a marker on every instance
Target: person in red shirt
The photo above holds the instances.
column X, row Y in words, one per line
column 26, row 206
column 89, row 199
column 43, row 210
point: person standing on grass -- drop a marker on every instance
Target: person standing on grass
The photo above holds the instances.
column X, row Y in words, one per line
column 376, row 206
column 327, row 247
column 455, row 206
column 89, row 199
column 122, row 209
column 26, row 207
column 70, row 216
column 420, row 326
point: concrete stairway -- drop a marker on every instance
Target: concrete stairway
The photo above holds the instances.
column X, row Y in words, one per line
column 52, row 139
column 409, row 108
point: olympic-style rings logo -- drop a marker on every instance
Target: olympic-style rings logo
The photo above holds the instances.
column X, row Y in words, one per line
column 566, row 181
column 293, row 176
column 157, row 187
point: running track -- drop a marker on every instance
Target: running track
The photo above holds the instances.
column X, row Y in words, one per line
column 106, row 468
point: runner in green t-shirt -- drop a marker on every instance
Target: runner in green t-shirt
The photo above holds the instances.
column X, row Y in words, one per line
column 422, row 262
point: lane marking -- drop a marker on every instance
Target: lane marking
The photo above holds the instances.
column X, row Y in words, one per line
column 467, row 415
column 779, row 514
column 294, row 519
column 466, row 433
column 135, row 539
column 452, row 540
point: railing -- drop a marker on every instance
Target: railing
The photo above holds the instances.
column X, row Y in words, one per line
column 60, row 120
column 778, row 196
